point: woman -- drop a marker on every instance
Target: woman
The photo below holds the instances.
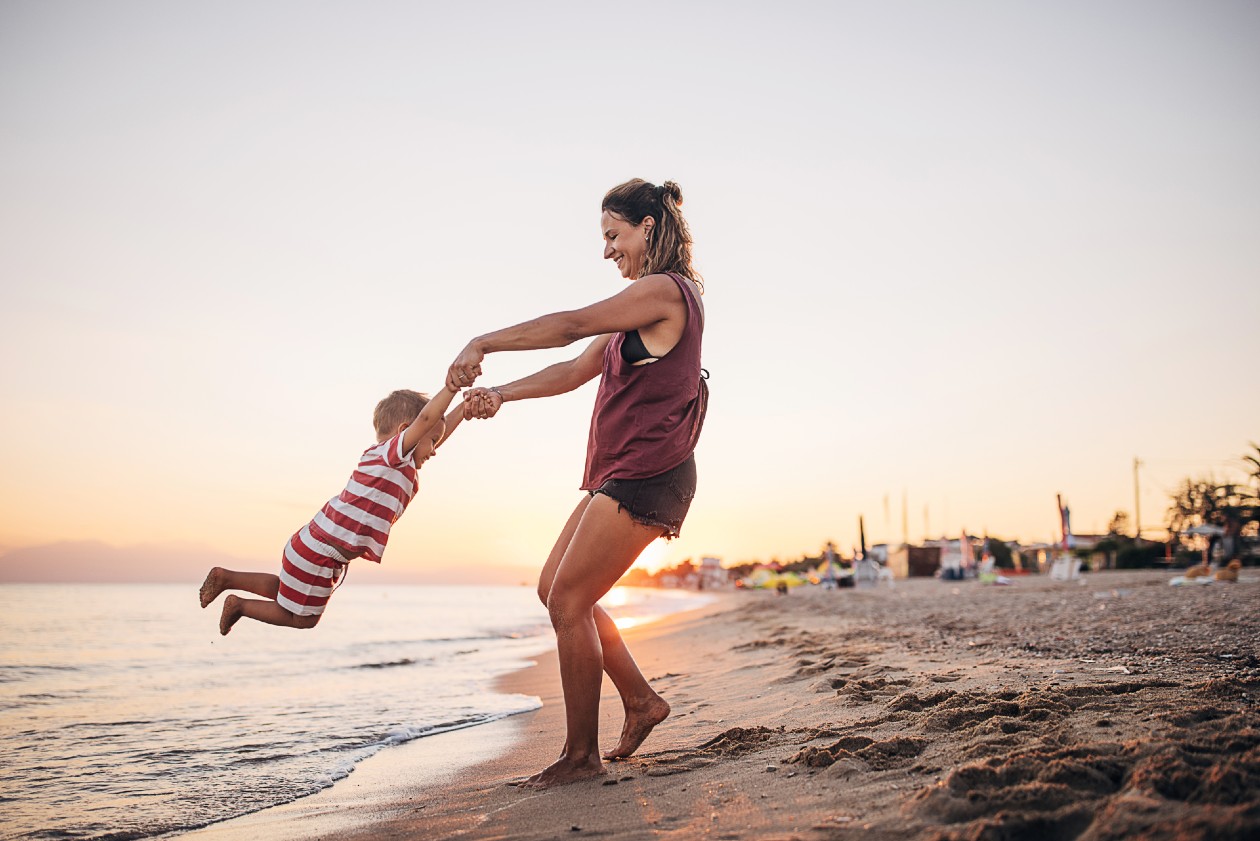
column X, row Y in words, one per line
column 640, row 470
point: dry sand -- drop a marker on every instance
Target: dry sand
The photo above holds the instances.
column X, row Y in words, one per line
column 1114, row 707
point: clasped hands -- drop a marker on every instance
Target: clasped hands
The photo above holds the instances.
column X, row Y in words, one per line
column 478, row 402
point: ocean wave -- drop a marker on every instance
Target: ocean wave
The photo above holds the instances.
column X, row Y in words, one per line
column 14, row 674
column 403, row 735
column 143, row 741
column 406, row 661
column 392, row 663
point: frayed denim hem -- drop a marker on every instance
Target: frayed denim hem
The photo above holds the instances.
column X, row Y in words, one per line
column 671, row 531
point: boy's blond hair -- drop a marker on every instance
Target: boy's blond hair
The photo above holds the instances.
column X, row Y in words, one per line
column 399, row 407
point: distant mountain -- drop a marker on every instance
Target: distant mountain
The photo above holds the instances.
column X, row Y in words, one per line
column 93, row 561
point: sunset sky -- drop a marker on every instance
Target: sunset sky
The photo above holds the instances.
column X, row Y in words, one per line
column 968, row 254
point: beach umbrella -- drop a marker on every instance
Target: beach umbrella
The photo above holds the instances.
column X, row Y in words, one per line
column 759, row 578
column 862, row 533
column 791, row 579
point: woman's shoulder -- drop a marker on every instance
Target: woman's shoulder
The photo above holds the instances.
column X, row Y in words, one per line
column 671, row 286
column 670, row 283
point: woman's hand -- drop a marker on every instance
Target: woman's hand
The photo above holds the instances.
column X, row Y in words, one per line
column 466, row 368
column 482, row 403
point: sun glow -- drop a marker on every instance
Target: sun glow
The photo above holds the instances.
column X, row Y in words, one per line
column 652, row 557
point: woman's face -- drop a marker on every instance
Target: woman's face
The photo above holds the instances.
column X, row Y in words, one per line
column 625, row 244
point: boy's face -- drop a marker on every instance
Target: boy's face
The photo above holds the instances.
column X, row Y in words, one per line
column 427, row 448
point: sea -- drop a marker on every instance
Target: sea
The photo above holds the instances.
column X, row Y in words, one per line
column 124, row 714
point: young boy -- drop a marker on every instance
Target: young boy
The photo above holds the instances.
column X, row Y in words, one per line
column 354, row 524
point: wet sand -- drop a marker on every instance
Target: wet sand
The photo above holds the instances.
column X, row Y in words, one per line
column 1114, row 707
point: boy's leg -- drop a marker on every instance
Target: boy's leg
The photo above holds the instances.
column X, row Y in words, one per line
column 234, row 607
column 644, row 708
column 259, row 583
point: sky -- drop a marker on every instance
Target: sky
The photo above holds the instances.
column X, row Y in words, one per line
column 959, row 258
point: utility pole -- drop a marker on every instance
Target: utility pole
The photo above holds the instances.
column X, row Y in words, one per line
column 1137, row 500
column 905, row 520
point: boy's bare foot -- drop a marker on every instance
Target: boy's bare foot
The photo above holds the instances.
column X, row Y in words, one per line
column 212, row 586
column 564, row 771
column 640, row 719
column 232, row 611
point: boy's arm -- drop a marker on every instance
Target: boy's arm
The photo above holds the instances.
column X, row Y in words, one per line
column 453, row 417
column 428, row 418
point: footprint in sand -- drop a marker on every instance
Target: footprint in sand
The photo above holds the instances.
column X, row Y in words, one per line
column 874, row 754
column 735, row 741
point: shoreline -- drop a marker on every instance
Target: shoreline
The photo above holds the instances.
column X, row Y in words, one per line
column 1102, row 709
column 382, row 787
column 391, row 784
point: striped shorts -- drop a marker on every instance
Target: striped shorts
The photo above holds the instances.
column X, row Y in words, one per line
column 309, row 572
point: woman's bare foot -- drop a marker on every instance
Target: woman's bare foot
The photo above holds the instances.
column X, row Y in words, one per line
column 564, row 771
column 640, row 719
column 232, row 611
column 212, row 586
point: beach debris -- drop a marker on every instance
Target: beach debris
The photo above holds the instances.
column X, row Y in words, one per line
column 610, row 782
column 1230, row 572
column 1182, row 580
column 1124, row 670
column 575, row 828
column 770, row 768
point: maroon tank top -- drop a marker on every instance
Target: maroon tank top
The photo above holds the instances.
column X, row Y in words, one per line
column 647, row 418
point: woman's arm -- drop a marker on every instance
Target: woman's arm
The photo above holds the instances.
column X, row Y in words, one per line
column 555, row 379
column 645, row 302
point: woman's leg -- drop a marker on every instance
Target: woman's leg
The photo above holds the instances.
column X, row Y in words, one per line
column 259, row 583
column 644, row 708
column 604, row 544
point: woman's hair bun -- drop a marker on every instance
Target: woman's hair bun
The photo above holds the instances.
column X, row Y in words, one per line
column 671, row 189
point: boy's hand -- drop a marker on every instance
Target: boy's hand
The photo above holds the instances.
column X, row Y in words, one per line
column 482, row 403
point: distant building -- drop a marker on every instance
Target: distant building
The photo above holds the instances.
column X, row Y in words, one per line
column 957, row 555
column 1037, row 557
column 914, row 561
column 712, row 576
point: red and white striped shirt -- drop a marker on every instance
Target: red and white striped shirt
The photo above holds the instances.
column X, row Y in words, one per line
column 356, row 522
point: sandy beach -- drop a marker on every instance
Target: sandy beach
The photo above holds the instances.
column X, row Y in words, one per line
column 1112, row 707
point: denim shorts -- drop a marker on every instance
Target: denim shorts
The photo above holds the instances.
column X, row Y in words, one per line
column 660, row 500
